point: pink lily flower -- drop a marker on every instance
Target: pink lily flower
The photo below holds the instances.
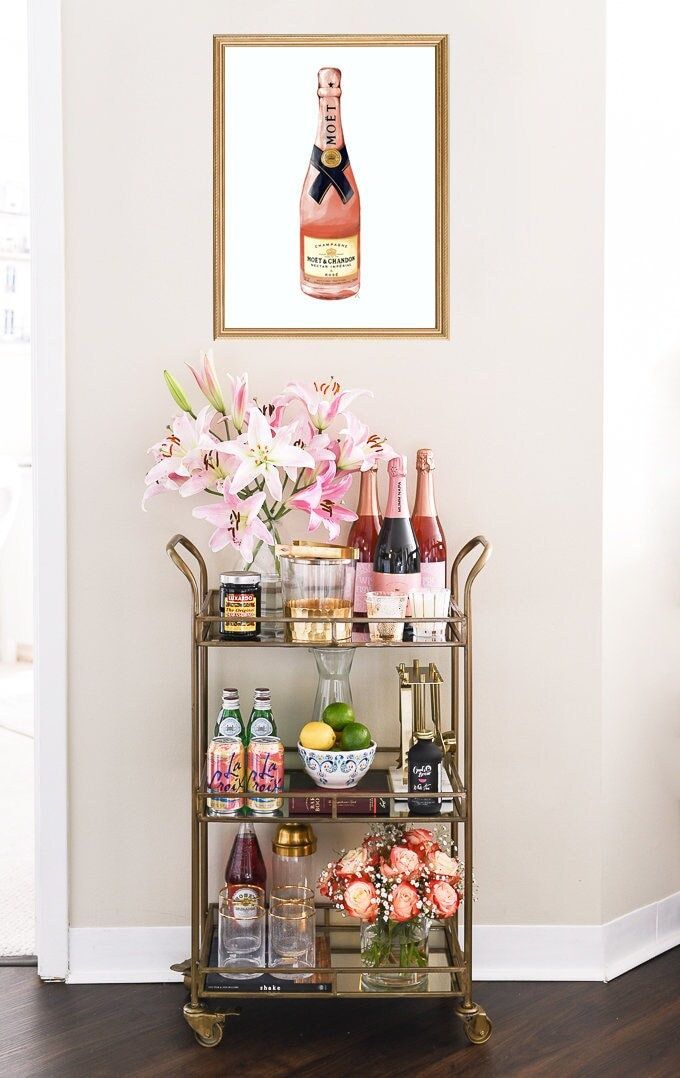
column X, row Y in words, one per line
column 357, row 449
column 294, row 433
column 273, row 412
column 316, row 443
column 323, row 400
column 208, row 382
column 186, row 460
column 237, row 523
column 321, row 501
column 262, row 452
column 239, row 400
column 318, row 446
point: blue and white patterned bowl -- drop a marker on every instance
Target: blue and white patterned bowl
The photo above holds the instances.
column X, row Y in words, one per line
column 337, row 770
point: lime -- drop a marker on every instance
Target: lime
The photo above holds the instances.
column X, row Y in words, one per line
column 355, row 736
column 316, row 735
column 338, row 715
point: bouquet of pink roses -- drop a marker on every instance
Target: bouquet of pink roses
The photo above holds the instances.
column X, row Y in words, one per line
column 395, row 875
column 397, row 879
column 260, row 461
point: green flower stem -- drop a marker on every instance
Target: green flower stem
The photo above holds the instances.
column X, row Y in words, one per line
column 225, row 418
column 258, row 547
column 396, row 945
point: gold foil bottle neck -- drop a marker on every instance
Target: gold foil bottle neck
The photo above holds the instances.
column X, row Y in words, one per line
column 425, row 460
column 329, row 82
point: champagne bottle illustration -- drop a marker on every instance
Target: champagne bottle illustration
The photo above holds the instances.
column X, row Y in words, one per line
column 329, row 204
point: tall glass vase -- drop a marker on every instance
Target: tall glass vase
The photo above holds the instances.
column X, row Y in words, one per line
column 333, row 667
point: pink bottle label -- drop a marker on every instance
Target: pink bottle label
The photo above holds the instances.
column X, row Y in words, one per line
column 396, row 583
column 433, row 574
column 363, row 582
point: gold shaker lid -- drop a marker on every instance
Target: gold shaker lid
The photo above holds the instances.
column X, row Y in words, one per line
column 294, row 840
column 311, row 551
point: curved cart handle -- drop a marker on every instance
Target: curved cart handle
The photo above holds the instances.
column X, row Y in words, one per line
column 199, row 587
column 479, row 540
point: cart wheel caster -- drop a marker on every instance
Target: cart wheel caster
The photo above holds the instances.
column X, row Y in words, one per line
column 212, row 1039
column 207, row 1026
column 478, row 1028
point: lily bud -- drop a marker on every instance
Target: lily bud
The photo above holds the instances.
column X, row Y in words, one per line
column 178, row 394
column 208, row 383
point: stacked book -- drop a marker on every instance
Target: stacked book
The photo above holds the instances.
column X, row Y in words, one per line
column 310, row 800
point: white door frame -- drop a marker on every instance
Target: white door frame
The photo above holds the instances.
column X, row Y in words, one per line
column 49, row 485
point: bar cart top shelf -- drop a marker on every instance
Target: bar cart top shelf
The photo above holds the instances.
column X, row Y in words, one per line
column 208, row 621
column 207, row 615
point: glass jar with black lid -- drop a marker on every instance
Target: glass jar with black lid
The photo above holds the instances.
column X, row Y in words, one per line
column 240, row 598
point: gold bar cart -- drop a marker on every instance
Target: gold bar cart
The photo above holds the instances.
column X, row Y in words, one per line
column 450, row 969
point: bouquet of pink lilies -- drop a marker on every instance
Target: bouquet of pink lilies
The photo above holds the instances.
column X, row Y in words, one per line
column 262, row 461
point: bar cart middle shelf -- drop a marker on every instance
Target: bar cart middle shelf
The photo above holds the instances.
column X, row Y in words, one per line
column 450, row 963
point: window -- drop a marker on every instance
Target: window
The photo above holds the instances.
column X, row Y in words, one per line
column 10, row 278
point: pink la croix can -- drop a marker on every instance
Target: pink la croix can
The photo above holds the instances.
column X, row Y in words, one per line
column 265, row 773
column 226, row 774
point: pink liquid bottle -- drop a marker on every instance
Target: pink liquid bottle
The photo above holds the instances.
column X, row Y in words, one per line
column 364, row 536
column 426, row 525
column 396, row 565
column 245, row 868
column 329, row 205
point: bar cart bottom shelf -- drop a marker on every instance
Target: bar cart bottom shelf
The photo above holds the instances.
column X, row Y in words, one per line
column 338, row 973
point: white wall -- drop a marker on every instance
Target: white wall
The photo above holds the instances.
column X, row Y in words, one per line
column 641, row 613
column 512, row 404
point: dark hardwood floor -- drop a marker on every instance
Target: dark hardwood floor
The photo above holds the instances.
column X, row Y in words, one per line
column 630, row 1027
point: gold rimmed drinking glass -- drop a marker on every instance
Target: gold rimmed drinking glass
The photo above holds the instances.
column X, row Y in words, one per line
column 241, row 938
column 292, row 931
column 291, row 893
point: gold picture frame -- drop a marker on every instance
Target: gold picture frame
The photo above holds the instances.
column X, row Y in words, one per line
column 439, row 42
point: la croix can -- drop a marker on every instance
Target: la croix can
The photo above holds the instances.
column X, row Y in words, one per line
column 226, row 774
column 240, row 599
column 265, row 773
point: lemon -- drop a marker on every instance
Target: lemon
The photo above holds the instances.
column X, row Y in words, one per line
column 317, row 735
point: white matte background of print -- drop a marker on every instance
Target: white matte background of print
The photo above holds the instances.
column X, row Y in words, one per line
column 388, row 118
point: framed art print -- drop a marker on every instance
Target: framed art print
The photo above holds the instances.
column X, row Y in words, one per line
column 331, row 186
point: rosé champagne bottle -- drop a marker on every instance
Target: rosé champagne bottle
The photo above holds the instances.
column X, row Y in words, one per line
column 428, row 530
column 364, row 536
column 329, row 205
column 396, row 566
